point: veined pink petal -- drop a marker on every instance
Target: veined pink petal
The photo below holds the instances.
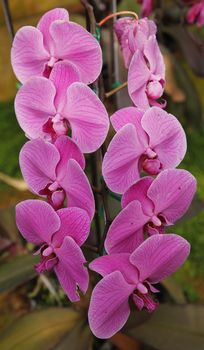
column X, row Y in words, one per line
column 138, row 192
column 70, row 269
column 160, row 256
column 45, row 22
column 76, row 45
column 36, row 220
column 153, row 54
column 110, row 296
column 34, row 104
column 130, row 115
column 28, row 55
column 166, row 136
column 38, row 160
column 75, row 223
column 104, row 265
column 138, row 77
column 63, row 75
column 120, row 164
column 172, row 192
column 126, row 231
column 78, row 188
column 87, row 116
column 68, row 150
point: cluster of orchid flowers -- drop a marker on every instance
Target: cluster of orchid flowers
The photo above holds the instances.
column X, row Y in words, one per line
column 195, row 13
column 56, row 62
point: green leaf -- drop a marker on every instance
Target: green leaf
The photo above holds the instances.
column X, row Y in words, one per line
column 16, row 272
column 174, row 327
column 39, row 330
column 80, row 338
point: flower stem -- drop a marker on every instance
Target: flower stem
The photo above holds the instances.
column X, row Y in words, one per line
column 104, row 20
column 118, row 88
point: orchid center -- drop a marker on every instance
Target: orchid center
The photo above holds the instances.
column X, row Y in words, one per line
column 59, row 125
column 52, row 61
column 48, row 259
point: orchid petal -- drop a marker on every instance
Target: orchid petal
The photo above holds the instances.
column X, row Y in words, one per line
column 154, row 57
column 104, row 265
column 62, row 76
column 138, row 77
column 75, row 223
column 38, row 161
column 45, row 22
column 68, row 150
column 37, row 221
column 110, row 296
column 28, row 55
column 167, row 137
column 172, row 192
column 133, row 116
column 87, row 116
column 78, row 189
column 120, row 164
column 34, row 104
column 138, row 192
column 76, row 45
column 70, row 269
column 126, row 231
column 160, row 256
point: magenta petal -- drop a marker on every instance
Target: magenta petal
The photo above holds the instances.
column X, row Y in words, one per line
column 28, row 55
column 68, row 150
column 120, row 164
column 37, row 221
column 172, row 192
column 38, row 161
column 75, row 223
column 160, row 256
column 133, row 116
column 104, row 265
column 70, row 269
column 110, row 297
column 78, row 188
column 138, row 192
column 155, row 59
column 76, row 45
column 138, row 77
column 45, row 22
column 87, row 116
column 34, row 104
column 167, row 137
column 126, row 231
column 63, row 75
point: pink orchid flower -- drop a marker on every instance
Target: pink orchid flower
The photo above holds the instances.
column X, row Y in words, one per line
column 59, row 235
column 56, row 171
column 150, row 141
column 47, row 108
column 148, row 206
column 36, row 50
column 132, row 35
column 134, row 276
column 146, row 75
column 146, row 7
column 196, row 13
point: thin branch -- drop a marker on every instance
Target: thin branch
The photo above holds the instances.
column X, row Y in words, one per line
column 8, row 19
column 117, row 89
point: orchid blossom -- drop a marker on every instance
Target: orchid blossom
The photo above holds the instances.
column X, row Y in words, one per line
column 132, row 275
column 148, row 206
column 132, row 35
column 47, row 108
column 35, row 51
column 59, row 235
column 56, row 171
column 152, row 141
column 146, row 7
column 196, row 13
column 146, row 75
